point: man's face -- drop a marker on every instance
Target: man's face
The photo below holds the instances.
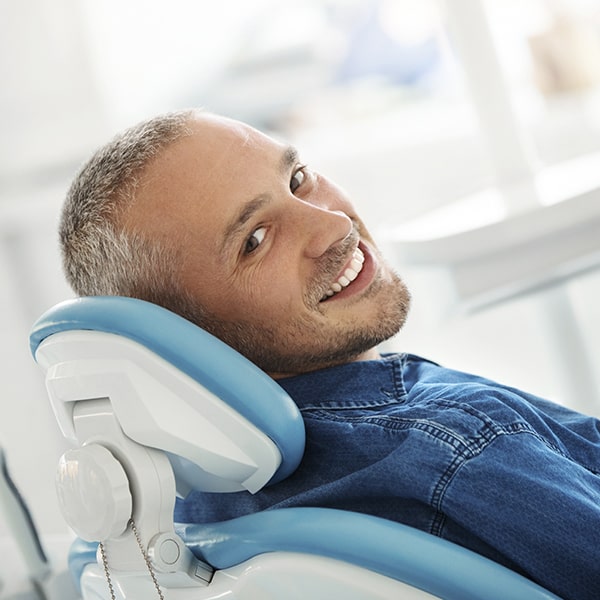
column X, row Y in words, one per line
column 274, row 252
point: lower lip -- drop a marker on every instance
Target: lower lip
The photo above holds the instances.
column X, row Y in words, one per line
column 363, row 279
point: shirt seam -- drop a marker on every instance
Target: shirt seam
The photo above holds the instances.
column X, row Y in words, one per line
column 462, row 458
column 463, row 450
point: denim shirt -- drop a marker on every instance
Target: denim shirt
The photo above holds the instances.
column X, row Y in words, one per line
column 494, row 469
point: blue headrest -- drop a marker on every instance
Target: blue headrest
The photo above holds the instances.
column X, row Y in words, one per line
column 198, row 354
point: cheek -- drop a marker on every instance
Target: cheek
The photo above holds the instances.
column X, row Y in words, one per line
column 254, row 297
column 275, row 290
column 260, row 291
column 204, row 280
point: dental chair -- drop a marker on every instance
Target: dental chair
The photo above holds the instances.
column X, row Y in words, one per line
column 155, row 407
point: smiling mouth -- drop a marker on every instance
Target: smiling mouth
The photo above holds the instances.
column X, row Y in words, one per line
column 348, row 276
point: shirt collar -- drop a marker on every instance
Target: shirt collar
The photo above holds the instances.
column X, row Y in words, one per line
column 355, row 384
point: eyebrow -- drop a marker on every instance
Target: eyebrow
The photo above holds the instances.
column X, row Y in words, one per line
column 237, row 225
column 288, row 159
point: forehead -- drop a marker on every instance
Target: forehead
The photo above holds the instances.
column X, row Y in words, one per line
column 221, row 165
column 217, row 144
column 218, row 148
column 216, row 133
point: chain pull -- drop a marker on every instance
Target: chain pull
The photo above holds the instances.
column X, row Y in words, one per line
column 144, row 555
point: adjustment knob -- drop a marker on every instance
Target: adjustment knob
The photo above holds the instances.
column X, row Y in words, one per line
column 93, row 492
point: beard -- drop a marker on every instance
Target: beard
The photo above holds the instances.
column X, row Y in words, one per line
column 302, row 345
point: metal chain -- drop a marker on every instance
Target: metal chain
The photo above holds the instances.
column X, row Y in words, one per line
column 146, row 560
column 106, row 572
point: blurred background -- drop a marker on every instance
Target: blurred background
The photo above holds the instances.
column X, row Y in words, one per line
column 466, row 131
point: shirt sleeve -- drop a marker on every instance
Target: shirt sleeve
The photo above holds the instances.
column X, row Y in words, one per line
column 536, row 506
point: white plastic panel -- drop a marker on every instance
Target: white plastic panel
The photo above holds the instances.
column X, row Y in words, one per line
column 159, row 406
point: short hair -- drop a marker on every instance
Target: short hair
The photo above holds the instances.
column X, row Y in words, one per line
column 101, row 257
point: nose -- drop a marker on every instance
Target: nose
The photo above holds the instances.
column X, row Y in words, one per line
column 320, row 228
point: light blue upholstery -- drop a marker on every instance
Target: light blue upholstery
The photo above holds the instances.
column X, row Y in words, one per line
column 403, row 553
column 397, row 551
column 197, row 353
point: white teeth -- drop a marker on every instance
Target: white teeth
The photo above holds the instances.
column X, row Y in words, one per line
column 349, row 275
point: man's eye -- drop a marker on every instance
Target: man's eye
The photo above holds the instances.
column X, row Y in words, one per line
column 255, row 240
column 297, row 179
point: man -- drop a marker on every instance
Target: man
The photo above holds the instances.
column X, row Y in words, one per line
column 212, row 219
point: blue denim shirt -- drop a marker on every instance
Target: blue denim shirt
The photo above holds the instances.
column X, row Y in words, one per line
column 504, row 473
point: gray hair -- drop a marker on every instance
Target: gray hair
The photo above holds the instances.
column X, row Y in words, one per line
column 99, row 256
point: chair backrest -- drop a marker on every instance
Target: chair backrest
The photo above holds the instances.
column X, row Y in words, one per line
column 155, row 405
column 216, row 389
